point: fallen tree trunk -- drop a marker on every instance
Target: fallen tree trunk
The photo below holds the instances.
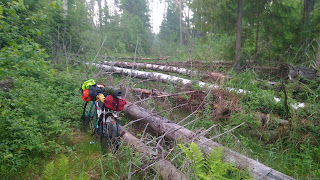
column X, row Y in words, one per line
column 175, row 80
column 165, row 168
column 155, row 76
column 177, row 132
column 146, row 92
column 141, row 58
column 215, row 76
column 136, row 58
column 226, row 64
column 293, row 72
column 150, row 66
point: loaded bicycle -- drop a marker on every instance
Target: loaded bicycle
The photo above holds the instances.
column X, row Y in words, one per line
column 100, row 117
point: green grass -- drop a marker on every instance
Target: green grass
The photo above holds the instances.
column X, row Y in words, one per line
column 82, row 160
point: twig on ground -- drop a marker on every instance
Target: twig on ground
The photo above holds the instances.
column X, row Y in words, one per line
column 129, row 174
column 207, row 140
column 223, row 133
column 172, row 130
column 215, row 131
column 145, row 128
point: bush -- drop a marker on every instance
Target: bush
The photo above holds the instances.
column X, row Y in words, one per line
column 35, row 111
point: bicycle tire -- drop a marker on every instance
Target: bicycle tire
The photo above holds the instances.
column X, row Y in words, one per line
column 88, row 118
column 109, row 134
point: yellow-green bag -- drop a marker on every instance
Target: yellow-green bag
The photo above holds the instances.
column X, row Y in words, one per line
column 87, row 84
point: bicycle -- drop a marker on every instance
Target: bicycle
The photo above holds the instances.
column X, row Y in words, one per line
column 104, row 122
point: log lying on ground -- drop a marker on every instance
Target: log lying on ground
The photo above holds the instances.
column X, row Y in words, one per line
column 150, row 66
column 136, row 58
column 155, row 76
column 147, row 92
column 266, row 119
column 293, row 72
column 157, row 94
column 175, row 80
column 177, row 132
column 165, row 168
column 215, row 76
column 141, row 58
column 226, row 64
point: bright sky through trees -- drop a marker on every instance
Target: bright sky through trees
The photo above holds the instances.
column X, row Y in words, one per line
column 157, row 10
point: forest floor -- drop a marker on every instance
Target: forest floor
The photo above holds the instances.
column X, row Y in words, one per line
column 261, row 138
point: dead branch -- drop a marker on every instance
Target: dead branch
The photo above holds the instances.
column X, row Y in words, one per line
column 166, row 169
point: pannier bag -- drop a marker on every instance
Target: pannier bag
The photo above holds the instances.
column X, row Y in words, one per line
column 87, row 84
column 114, row 103
column 89, row 90
column 85, row 95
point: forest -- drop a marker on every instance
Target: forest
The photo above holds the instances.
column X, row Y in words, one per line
column 215, row 89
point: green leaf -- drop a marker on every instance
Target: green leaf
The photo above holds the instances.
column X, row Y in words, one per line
column 1, row 9
column 38, row 32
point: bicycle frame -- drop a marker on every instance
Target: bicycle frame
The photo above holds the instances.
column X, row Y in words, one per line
column 104, row 122
column 104, row 113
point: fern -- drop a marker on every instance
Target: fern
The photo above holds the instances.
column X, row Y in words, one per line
column 62, row 167
column 212, row 167
column 196, row 157
column 49, row 171
column 58, row 170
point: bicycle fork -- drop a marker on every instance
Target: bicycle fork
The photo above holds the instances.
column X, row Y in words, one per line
column 99, row 112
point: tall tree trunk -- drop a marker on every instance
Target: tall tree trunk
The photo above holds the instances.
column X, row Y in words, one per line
column 65, row 7
column 257, row 40
column 100, row 13
column 181, row 40
column 236, row 66
column 188, row 23
column 308, row 7
column 318, row 53
column 211, row 29
column 92, row 2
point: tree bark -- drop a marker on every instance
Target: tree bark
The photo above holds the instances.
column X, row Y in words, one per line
column 65, row 7
column 167, row 78
column 149, row 66
column 177, row 132
column 100, row 13
column 165, row 168
column 147, row 93
column 92, row 3
column 181, row 40
column 141, row 58
column 288, row 71
column 236, row 66
column 308, row 7
column 257, row 40
column 318, row 53
column 155, row 76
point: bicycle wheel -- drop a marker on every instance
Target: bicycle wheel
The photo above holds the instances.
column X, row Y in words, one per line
column 88, row 118
column 109, row 134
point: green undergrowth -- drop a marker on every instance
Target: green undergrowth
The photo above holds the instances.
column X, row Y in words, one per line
column 292, row 148
column 84, row 160
column 211, row 166
column 35, row 119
